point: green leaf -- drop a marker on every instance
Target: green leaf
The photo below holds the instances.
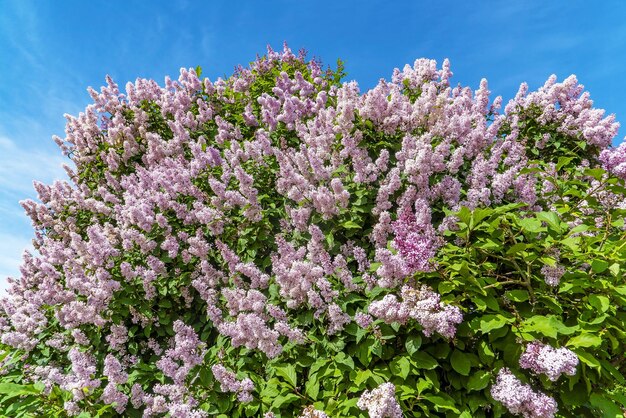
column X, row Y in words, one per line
column 485, row 353
column 14, row 389
column 478, row 380
column 549, row 326
column 478, row 215
column 343, row 359
column 531, row 224
column 551, row 219
column 613, row 371
column 562, row 162
column 598, row 266
column 423, row 360
column 608, row 408
column 588, row 359
column 285, row 399
column 461, row 362
column 362, row 376
column 270, row 390
column 401, row 366
column 288, row 372
column 413, row 343
column 312, row 387
column 490, row 322
column 517, row 295
column 442, row 402
column 596, row 173
column 599, row 302
column 585, row 340
column 520, row 246
column 165, row 303
column 351, row 225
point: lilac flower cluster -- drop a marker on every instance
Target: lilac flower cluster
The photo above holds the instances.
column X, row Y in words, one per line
column 614, row 160
column 520, row 399
column 185, row 354
column 552, row 274
column 311, row 412
column 544, row 359
column 113, row 370
column 229, row 383
column 424, row 306
column 381, row 402
column 415, row 238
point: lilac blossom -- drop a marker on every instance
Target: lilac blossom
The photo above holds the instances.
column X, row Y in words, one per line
column 614, row 160
column 520, row 399
column 424, row 306
column 544, row 359
column 229, row 383
column 381, row 402
column 415, row 239
column 552, row 274
column 311, row 412
column 186, row 353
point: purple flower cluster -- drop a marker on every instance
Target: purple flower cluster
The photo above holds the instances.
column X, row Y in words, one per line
column 520, row 399
column 614, row 160
column 552, row 274
column 415, row 238
column 544, row 359
column 229, row 383
column 185, row 354
column 380, row 402
column 424, row 306
column 113, row 370
column 311, row 412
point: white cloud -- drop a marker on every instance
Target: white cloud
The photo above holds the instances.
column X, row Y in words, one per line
column 20, row 165
column 11, row 249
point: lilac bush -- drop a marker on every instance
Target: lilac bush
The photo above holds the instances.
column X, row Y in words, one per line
column 281, row 244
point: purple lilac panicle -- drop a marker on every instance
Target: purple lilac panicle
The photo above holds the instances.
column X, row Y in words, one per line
column 424, row 306
column 520, row 399
column 381, row 402
column 415, row 239
column 552, row 274
column 544, row 359
column 614, row 160
column 229, row 383
column 311, row 412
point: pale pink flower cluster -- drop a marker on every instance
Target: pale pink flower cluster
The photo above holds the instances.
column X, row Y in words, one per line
column 229, row 383
column 614, row 160
column 552, row 274
column 186, row 353
column 82, row 379
column 415, row 238
column 544, row 359
column 423, row 305
column 114, row 372
column 311, row 412
column 381, row 402
column 520, row 399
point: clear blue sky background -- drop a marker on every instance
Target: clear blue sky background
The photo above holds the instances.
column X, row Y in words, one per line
column 50, row 51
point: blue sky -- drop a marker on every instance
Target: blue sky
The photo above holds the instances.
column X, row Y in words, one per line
column 50, row 51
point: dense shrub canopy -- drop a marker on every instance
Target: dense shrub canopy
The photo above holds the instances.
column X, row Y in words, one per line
column 280, row 244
